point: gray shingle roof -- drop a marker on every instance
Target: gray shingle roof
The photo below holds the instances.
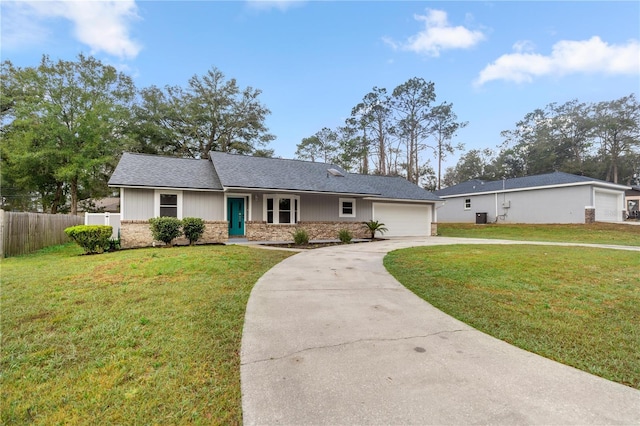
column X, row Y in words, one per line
column 550, row 179
column 239, row 171
column 396, row 187
column 164, row 172
column 281, row 174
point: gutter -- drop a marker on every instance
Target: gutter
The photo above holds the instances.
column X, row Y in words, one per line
column 533, row 188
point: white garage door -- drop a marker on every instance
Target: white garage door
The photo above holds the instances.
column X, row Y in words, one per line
column 607, row 208
column 404, row 220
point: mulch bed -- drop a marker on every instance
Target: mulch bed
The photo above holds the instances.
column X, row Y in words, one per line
column 312, row 245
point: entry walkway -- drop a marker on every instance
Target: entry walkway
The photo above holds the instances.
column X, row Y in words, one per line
column 331, row 338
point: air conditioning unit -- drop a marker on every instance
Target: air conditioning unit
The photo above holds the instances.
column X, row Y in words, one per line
column 506, row 204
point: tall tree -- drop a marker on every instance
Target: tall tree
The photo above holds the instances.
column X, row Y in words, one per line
column 600, row 140
column 210, row 114
column 350, row 151
column 411, row 102
column 444, row 127
column 66, row 125
column 617, row 125
column 374, row 118
column 475, row 164
column 321, row 146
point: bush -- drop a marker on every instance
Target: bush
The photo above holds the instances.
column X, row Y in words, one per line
column 165, row 229
column 345, row 236
column 193, row 228
column 92, row 238
column 300, row 237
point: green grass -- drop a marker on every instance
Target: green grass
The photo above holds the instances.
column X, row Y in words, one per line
column 148, row 336
column 579, row 306
column 597, row 233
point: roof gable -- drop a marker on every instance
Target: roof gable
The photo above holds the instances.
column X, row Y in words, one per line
column 155, row 171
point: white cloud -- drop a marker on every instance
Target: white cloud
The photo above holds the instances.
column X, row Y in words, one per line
column 19, row 28
column 438, row 35
column 567, row 57
column 102, row 25
column 281, row 5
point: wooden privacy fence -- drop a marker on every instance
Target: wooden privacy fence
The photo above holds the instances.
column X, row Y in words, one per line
column 23, row 233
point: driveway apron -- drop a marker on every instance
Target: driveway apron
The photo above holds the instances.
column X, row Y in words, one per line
column 330, row 337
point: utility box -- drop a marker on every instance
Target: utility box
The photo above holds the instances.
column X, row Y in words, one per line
column 481, row 218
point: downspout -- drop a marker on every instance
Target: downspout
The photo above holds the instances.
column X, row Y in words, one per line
column 496, row 207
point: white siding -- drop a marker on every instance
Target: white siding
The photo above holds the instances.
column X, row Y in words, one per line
column 326, row 208
column 410, row 220
column 203, row 204
column 137, row 204
column 550, row 205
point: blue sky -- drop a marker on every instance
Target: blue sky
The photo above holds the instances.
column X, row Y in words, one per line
column 315, row 60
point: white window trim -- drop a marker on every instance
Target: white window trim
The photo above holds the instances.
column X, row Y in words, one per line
column 247, row 204
column 156, row 201
column 464, row 201
column 348, row 200
column 276, row 207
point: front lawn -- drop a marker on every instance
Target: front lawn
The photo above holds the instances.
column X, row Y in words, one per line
column 576, row 305
column 596, row 233
column 149, row 336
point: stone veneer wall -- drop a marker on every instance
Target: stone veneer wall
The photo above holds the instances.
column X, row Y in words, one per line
column 434, row 229
column 589, row 215
column 262, row 231
column 137, row 233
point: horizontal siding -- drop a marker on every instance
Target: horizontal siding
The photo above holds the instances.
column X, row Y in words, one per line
column 325, row 208
column 551, row 205
column 137, row 204
column 558, row 205
column 203, row 204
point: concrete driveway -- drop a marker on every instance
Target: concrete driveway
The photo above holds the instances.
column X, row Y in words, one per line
column 331, row 338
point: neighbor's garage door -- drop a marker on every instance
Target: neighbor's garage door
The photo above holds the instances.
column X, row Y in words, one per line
column 607, row 207
column 404, row 220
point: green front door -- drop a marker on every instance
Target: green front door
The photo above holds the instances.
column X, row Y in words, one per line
column 235, row 216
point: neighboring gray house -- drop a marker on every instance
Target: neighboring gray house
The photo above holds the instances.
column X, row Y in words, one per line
column 264, row 199
column 550, row 198
column 632, row 197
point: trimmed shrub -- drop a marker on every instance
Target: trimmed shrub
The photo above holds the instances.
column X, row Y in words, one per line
column 193, row 228
column 165, row 229
column 300, row 237
column 92, row 238
column 344, row 235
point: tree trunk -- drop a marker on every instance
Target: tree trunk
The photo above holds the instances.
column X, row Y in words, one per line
column 74, row 195
column 56, row 198
column 439, row 163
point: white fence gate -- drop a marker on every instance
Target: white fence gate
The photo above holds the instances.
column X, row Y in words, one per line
column 112, row 219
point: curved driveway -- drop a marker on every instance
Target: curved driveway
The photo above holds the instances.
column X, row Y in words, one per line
column 330, row 337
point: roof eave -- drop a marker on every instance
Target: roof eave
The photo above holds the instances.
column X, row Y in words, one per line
column 171, row 188
column 298, row 191
column 533, row 188
column 404, row 200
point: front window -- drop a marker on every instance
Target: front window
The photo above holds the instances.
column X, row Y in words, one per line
column 169, row 205
column 284, row 215
column 347, row 207
column 282, row 209
column 467, row 203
